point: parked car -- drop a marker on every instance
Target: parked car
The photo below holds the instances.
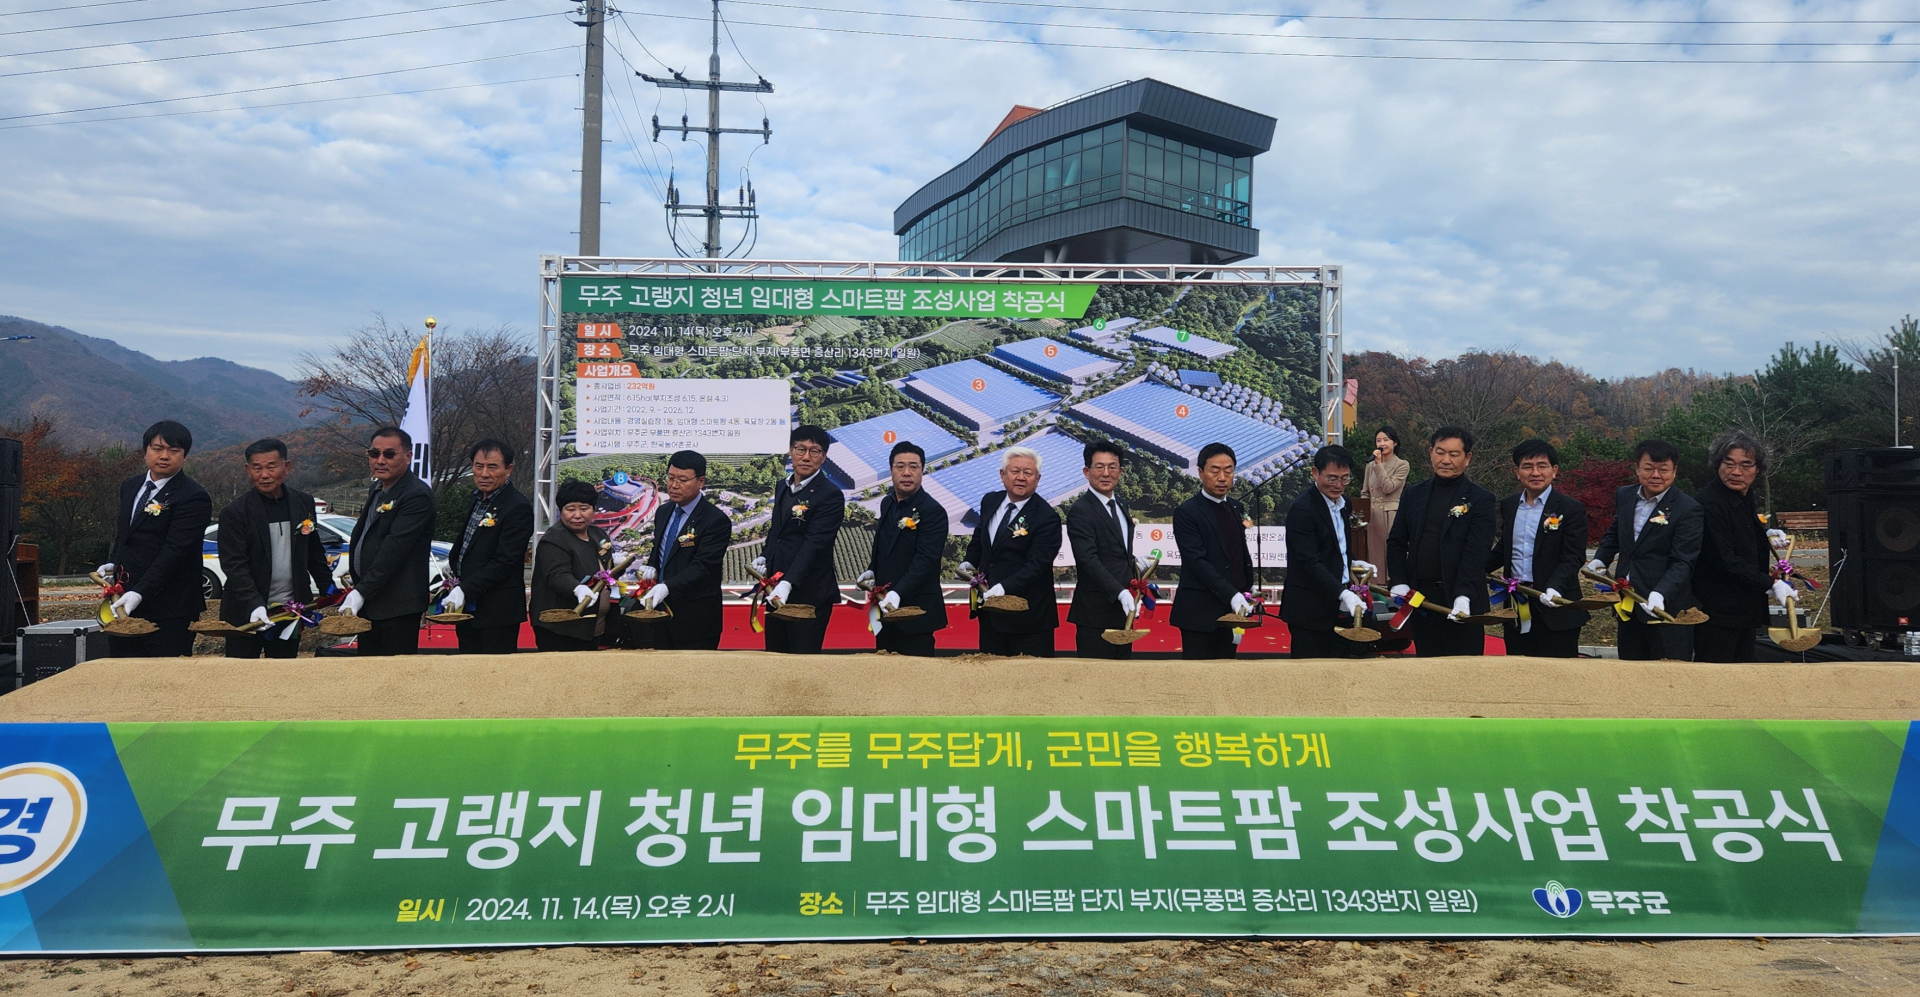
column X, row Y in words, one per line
column 336, row 534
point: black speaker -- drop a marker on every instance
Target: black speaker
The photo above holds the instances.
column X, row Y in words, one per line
column 1873, row 515
column 12, row 458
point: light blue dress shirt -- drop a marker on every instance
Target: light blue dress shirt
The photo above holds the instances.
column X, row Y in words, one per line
column 1526, row 523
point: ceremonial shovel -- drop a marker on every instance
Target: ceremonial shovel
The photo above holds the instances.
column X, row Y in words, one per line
column 999, row 603
column 447, row 617
column 1479, row 621
column 786, row 610
column 121, row 626
column 1128, row 634
column 1791, row 637
column 905, row 612
column 221, row 628
column 1359, row 632
column 1686, row 618
column 579, row 611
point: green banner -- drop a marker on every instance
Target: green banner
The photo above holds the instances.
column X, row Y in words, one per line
column 198, row 836
column 824, row 296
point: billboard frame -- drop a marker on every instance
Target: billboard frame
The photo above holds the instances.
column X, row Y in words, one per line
column 546, row 443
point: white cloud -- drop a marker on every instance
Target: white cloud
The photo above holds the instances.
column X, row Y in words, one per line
column 1621, row 217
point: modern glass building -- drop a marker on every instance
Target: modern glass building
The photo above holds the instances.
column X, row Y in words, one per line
column 1141, row 172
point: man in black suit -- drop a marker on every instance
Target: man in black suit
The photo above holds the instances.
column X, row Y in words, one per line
column 1656, row 534
column 1439, row 546
column 908, row 543
column 1101, row 532
column 392, row 548
column 1543, row 539
column 807, row 512
column 1014, row 545
column 272, row 554
column 489, row 557
column 1318, row 596
column 156, row 547
column 1216, row 572
column 690, row 538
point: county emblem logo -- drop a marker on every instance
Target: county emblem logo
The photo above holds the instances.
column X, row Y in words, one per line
column 1557, row 900
column 42, row 809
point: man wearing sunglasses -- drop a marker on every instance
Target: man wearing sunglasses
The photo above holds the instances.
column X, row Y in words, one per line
column 392, row 546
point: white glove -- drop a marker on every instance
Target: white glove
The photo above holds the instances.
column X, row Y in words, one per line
column 966, row 568
column 455, row 601
column 1777, row 538
column 259, row 616
column 582, row 593
column 1553, row 597
column 1656, row 602
column 1140, row 565
column 645, row 573
column 654, row 597
column 781, row 592
column 873, row 621
column 1462, row 607
column 1241, row 606
column 1363, row 566
column 996, row 592
column 890, row 602
column 1350, row 603
column 1126, row 602
column 126, row 604
column 1400, row 591
column 865, row 580
column 106, row 570
column 760, row 564
column 1598, row 567
column 352, row 603
column 1782, row 591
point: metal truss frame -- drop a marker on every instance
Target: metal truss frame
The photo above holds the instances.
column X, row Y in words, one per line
column 547, row 402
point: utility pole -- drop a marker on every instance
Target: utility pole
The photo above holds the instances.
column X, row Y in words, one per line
column 596, row 25
column 712, row 210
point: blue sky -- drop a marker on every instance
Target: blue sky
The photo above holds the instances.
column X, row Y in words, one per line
column 1622, row 217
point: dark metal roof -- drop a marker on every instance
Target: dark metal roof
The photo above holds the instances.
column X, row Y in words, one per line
column 1159, row 107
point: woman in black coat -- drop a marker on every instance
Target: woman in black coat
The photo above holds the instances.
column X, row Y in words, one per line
column 564, row 562
column 1735, row 573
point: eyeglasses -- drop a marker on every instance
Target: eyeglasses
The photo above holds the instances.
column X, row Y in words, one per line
column 376, row 453
column 1739, row 465
column 808, row 451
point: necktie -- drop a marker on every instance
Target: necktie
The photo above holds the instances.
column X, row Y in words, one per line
column 673, row 536
column 1119, row 521
column 1005, row 519
column 146, row 492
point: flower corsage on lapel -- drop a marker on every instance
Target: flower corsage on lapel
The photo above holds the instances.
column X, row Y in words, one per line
column 1459, row 510
column 1659, row 518
column 153, row 507
column 1246, row 522
column 488, row 519
column 1551, row 522
column 799, row 511
column 306, row 527
column 1020, row 526
column 686, row 539
column 386, row 506
column 908, row 523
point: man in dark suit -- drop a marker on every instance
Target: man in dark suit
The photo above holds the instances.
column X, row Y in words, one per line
column 690, row 538
column 807, row 512
column 1216, row 572
column 1101, row 532
column 489, row 557
column 1439, row 546
column 272, row 554
column 1656, row 534
column 1014, row 545
column 156, row 547
column 1543, row 539
column 908, row 543
column 1318, row 596
column 392, row 548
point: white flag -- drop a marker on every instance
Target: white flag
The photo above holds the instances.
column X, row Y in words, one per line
column 419, row 419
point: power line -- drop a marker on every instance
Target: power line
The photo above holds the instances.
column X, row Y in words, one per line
column 281, row 86
column 163, row 17
column 1310, row 55
column 1307, row 37
column 249, row 31
column 271, row 48
column 1305, row 16
column 77, row 6
column 288, row 103
column 637, row 41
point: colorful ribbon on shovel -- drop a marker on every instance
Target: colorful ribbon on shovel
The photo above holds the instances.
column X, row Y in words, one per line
column 757, row 601
column 1145, row 593
column 1508, row 590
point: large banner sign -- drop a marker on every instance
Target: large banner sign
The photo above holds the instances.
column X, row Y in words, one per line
column 199, row 836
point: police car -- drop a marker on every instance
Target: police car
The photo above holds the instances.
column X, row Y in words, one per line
column 336, row 534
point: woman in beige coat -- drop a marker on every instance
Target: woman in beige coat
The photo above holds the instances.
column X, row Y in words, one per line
column 1386, row 476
